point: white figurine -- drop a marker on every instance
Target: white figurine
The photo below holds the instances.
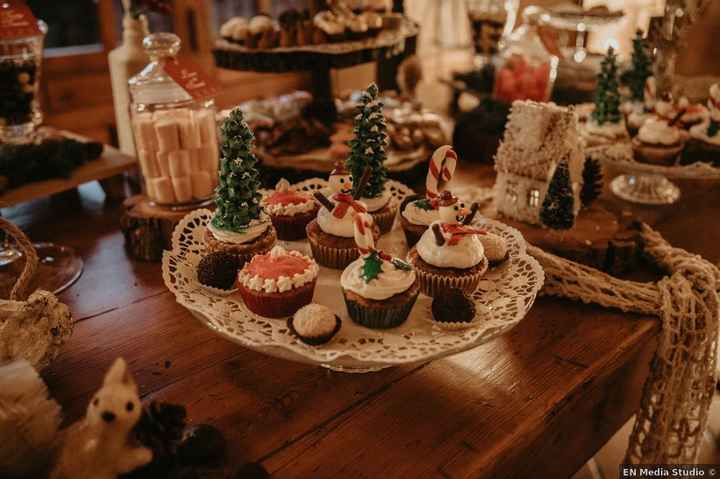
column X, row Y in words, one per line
column 452, row 226
column 97, row 447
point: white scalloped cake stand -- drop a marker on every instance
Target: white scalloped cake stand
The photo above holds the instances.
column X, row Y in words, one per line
column 502, row 299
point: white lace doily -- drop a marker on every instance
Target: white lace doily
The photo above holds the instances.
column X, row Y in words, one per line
column 502, row 299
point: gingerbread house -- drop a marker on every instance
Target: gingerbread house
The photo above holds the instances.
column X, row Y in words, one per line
column 537, row 137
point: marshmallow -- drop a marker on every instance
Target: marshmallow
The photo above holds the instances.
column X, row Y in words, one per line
column 167, row 135
column 189, row 133
column 163, row 163
column 163, row 190
column 148, row 164
column 183, row 189
column 206, row 159
column 205, row 121
column 145, row 137
column 179, row 163
column 202, row 184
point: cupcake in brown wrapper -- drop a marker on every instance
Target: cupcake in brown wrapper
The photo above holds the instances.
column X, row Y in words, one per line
column 658, row 142
column 278, row 283
column 290, row 211
column 329, row 250
column 383, row 314
column 412, row 231
column 243, row 251
column 663, row 155
column 384, row 218
column 433, row 279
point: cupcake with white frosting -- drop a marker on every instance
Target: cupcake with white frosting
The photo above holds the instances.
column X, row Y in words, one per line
column 637, row 112
column 235, row 30
column 450, row 253
column 329, row 27
column 658, row 142
column 379, row 290
column 314, row 324
column 277, row 284
column 704, row 142
column 606, row 133
column 417, row 212
column 331, row 234
column 290, row 211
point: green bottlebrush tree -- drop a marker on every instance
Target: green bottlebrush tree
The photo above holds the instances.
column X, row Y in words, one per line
column 557, row 211
column 607, row 96
column 367, row 149
column 592, row 182
column 640, row 69
column 237, row 196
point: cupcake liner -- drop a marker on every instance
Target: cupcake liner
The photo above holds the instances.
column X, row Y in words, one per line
column 292, row 228
column 431, row 283
column 699, row 151
column 315, row 340
column 384, row 219
column 277, row 305
column 217, row 291
column 656, row 155
column 454, row 326
column 330, row 257
column 377, row 315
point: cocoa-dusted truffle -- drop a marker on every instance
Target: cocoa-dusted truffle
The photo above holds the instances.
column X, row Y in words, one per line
column 452, row 306
column 218, row 270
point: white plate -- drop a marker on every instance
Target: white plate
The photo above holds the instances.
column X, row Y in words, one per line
column 502, row 300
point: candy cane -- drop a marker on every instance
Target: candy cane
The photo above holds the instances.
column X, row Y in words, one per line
column 442, row 167
column 363, row 227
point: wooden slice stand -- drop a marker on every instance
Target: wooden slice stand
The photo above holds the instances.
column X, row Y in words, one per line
column 148, row 228
column 598, row 239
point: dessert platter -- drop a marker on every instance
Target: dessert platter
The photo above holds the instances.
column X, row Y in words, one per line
column 321, row 272
column 300, row 40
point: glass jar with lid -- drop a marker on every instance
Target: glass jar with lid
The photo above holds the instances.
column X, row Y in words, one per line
column 20, row 61
column 525, row 69
column 175, row 135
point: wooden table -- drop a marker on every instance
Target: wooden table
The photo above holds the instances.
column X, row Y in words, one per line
column 537, row 402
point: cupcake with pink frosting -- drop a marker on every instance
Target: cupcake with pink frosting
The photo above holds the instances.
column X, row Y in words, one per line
column 290, row 211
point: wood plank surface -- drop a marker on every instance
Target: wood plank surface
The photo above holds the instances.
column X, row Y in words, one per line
column 537, row 402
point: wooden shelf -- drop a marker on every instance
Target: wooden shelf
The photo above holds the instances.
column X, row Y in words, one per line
column 112, row 162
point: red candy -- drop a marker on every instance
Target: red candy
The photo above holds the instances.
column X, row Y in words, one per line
column 518, row 80
column 268, row 267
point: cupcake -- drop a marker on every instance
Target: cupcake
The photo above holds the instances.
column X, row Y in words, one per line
column 305, row 29
column 449, row 254
column 692, row 113
column 289, row 21
column 379, row 290
column 357, row 27
column 452, row 309
column 637, row 118
column 331, row 234
column 218, row 270
column 418, row 212
column 314, row 324
column 704, row 138
column 278, row 283
column 658, row 142
column 596, row 133
column 290, row 211
column 235, row 30
column 239, row 226
column 367, row 160
column 328, row 27
column 261, row 32
column 378, row 6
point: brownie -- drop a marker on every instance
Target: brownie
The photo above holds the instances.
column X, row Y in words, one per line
column 453, row 306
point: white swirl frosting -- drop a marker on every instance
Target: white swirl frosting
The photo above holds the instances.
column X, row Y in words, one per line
column 314, row 320
column 657, row 132
column 467, row 253
column 253, row 230
column 419, row 216
column 282, row 283
column 606, row 130
column 700, row 132
column 332, row 225
column 377, row 203
column 389, row 282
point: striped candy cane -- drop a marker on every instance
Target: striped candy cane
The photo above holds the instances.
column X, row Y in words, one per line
column 363, row 227
column 442, row 167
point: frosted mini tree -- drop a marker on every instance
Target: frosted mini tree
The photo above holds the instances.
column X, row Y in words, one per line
column 367, row 149
column 640, row 70
column 607, row 96
column 237, row 197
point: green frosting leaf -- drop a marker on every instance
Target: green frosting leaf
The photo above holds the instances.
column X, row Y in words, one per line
column 372, row 266
column 424, row 204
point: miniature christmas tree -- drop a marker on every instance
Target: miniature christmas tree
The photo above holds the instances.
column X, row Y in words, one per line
column 557, row 210
column 367, row 149
column 607, row 96
column 237, row 196
column 641, row 69
column 592, row 182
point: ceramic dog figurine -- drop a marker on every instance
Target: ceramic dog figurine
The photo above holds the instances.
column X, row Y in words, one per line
column 97, row 446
